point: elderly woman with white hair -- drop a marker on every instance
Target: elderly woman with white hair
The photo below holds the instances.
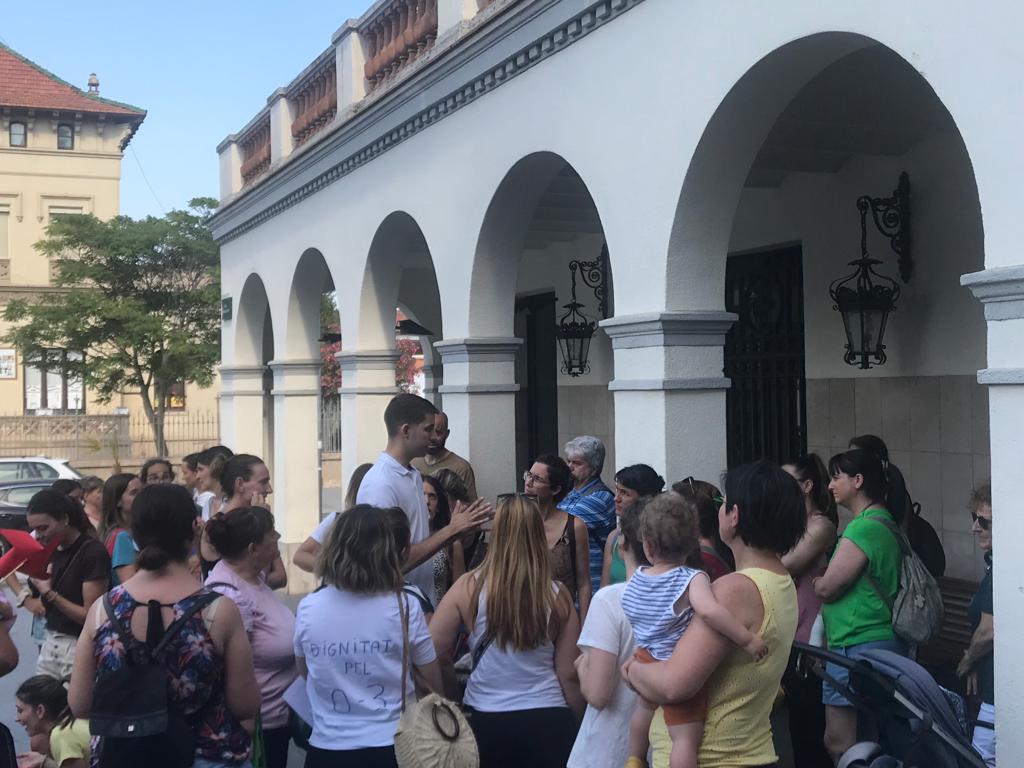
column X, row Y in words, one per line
column 590, row 500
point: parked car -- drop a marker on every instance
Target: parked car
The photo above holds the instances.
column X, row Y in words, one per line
column 14, row 497
column 35, row 468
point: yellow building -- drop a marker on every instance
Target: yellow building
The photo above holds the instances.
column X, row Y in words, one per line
column 60, row 153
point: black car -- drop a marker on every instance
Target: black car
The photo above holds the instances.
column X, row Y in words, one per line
column 14, row 497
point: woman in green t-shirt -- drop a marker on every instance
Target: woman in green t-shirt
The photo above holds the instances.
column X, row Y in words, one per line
column 864, row 568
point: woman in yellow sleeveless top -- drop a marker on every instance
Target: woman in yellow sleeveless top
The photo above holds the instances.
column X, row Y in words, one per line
column 761, row 516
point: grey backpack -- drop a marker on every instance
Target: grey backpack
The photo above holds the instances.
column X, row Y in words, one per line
column 917, row 610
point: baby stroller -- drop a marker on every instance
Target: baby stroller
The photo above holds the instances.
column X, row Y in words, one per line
column 920, row 724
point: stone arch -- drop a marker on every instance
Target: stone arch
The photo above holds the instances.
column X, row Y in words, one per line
column 503, row 236
column 399, row 271
column 730, row 205
column 311, row 279
column 729, row 144
column 254, row 336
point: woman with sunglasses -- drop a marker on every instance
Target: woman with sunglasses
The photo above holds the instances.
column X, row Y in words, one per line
column 978, row 663
column 549, row 481
column 522, row 692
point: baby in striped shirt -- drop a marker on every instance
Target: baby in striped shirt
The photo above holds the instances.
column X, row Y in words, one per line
column 659, row 602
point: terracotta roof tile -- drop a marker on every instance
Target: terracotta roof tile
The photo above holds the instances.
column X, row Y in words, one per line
column 24, row 83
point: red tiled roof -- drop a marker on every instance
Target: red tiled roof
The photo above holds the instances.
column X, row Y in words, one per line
column 25, row 84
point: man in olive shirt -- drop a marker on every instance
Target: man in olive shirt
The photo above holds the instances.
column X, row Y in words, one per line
column 439, row 457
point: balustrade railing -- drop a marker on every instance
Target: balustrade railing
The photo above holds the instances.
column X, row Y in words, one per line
column 315, row 99
column 256, row 150
column 396, row 36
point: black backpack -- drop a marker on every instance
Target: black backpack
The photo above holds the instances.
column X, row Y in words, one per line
column 131, row 709
column 923, row 539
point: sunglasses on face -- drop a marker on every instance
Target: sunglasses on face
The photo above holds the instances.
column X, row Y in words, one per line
column 984, row 522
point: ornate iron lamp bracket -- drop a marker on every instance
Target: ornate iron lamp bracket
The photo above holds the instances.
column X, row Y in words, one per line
column 892, row 219
column 594, row 275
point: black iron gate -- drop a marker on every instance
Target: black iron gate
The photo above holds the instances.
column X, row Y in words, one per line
column 766, row 410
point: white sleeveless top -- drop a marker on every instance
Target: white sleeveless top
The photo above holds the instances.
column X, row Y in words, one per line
column 509, row 681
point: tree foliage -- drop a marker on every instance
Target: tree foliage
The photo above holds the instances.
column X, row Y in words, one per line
column 140, row 298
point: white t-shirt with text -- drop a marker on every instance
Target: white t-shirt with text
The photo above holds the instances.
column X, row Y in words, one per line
column 603, row 739
column 352, row 646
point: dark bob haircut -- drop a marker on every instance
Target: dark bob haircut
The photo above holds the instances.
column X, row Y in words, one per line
column 772, row 514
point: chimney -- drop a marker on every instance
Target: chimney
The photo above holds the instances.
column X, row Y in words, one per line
column 94, row 84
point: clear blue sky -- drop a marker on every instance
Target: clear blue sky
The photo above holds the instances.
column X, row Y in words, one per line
column 200, row 69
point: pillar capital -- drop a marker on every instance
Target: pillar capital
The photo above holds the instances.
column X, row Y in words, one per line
column 296, row 377
column 241, row 380
column 367, row 359
column 478, row 350
column 368, row 372
column 1000, row 289
column 669, row 329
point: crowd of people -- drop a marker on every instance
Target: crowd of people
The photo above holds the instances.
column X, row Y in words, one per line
column 576, row 624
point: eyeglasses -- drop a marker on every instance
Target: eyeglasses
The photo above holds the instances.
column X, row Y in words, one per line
column 984, row 522
column 503, row 496
column 529, row 477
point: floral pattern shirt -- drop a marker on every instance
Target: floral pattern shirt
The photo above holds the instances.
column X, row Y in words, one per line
column 195, row 677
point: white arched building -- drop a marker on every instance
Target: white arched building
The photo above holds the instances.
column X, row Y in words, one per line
column 451, row 157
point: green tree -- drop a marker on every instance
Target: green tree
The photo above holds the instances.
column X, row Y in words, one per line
column 140, row 299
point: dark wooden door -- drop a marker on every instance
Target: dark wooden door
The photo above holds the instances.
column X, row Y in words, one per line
column 536, row 375
column 766, row 411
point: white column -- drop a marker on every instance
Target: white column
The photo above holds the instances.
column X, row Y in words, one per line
column 433, row 379
column 296, row 470
column 241, row 408
column 480, row 401
column 1002, row 291
column 282, row 114
column 367, row 386
column 670, row 392
column 351, row 61
column 230, row 156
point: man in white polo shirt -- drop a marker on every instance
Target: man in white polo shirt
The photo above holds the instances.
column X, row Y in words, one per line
column 392, row 482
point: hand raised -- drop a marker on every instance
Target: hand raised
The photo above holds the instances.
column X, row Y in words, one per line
column 470, row 517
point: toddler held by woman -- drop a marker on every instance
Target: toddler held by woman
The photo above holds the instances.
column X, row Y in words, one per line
column 660, row 601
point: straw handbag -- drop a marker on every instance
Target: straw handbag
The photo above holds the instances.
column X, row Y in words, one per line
column 432, row 732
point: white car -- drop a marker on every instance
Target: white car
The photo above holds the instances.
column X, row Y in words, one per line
column 35, row 468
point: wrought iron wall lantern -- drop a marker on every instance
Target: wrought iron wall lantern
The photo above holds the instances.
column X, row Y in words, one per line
column 865, row 298
column 575, row 329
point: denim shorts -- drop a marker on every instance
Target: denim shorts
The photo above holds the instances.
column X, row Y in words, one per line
column 832, row 697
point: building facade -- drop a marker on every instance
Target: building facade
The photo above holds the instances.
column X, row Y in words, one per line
column 60, row 154
column 455, row 159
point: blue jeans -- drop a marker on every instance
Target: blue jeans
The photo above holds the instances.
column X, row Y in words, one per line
column 832, row 697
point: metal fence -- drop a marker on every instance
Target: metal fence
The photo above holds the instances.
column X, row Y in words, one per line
column 108, row 437
column 330, row 425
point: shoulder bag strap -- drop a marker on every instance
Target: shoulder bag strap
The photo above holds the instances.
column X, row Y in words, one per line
column 198, row 604
column 403, row 612
column 134, row 650
column 79, row 543
column 478, row 652
column 900, row 539
column 572, row 554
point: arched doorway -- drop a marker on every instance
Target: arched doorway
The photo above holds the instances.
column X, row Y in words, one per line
column 542, row 231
